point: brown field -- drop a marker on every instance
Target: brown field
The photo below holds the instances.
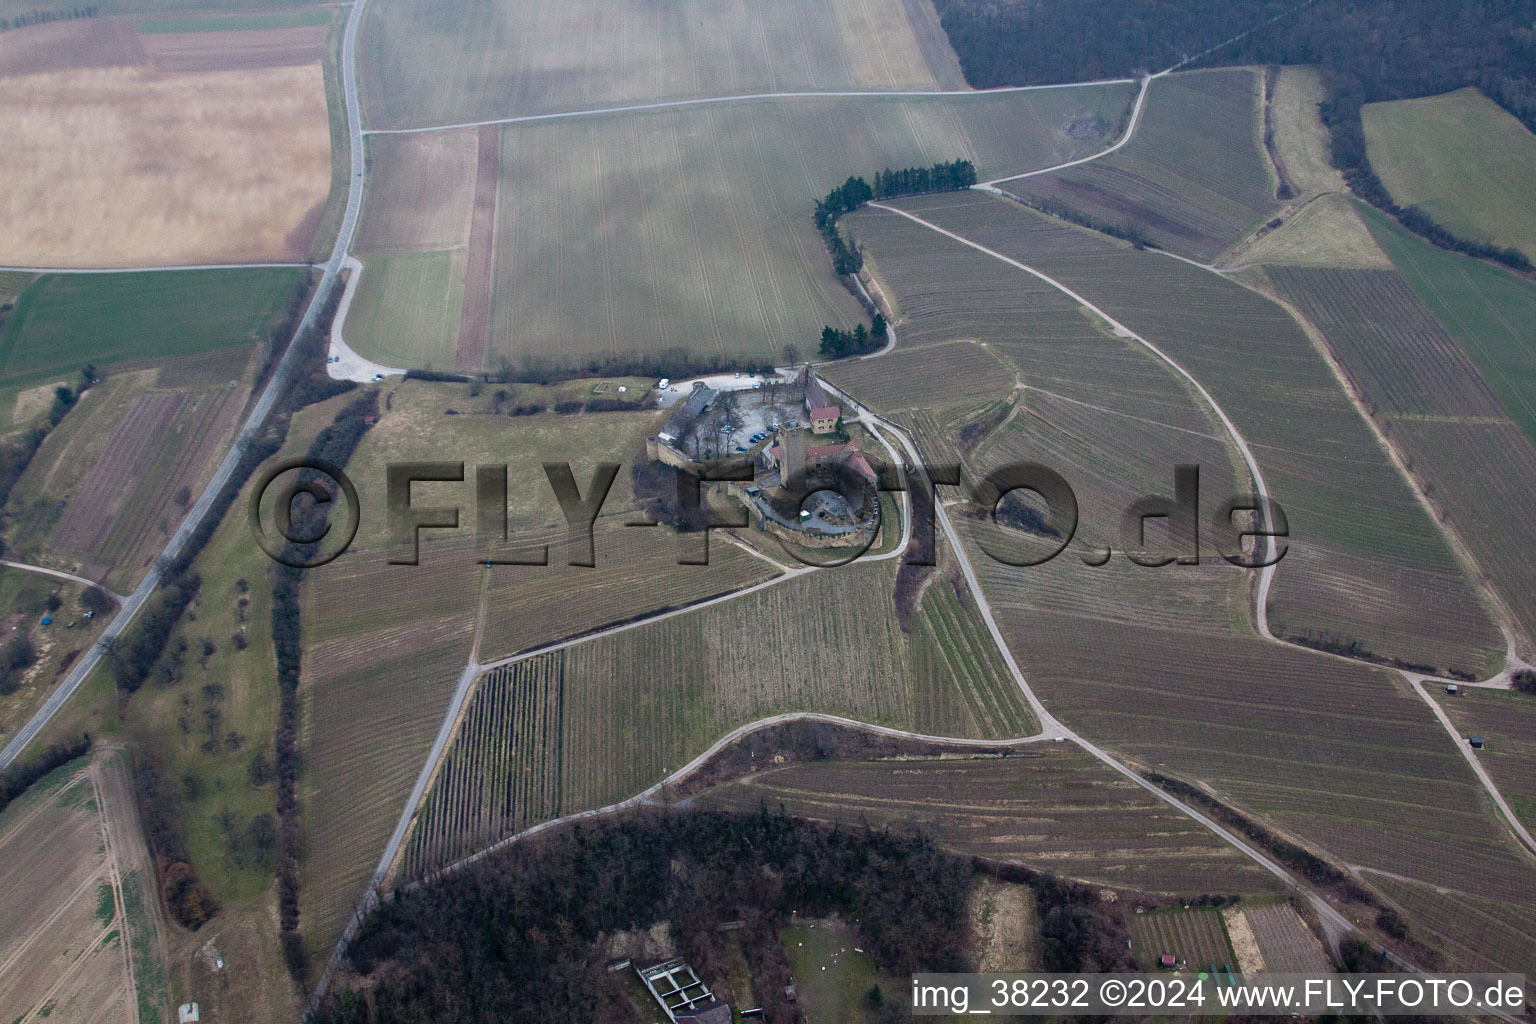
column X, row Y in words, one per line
column 420, row 190
column 1430, row 400
column 126, row 166
column 373, row 703
column 70, row 46
column 235, row 51
column 475, row 314
column 1286, row 944
column 1477, row 933
column 924, row 379
column 638, row 704
column 99, row 499
column 1051, row 806
column 1318, row 455
column 82, row 936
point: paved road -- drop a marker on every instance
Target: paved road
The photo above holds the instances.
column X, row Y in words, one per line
column 700, row 101
column 253, row 423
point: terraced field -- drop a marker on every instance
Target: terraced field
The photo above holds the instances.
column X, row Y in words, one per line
column 373, row 703
column 1342, row 756
column 1318, row 456
column 1052, row 807
column 637, row 574
column 1480, row 933
column 1490, row 312
column 424, row 64
column 1193, row 179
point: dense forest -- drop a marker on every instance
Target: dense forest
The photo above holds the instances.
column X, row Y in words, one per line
column 517, row 937
column 1369, row 50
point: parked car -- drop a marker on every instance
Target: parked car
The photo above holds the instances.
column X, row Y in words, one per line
column 664, row 383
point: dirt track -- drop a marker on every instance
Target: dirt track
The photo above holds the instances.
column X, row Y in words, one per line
column 475, row 316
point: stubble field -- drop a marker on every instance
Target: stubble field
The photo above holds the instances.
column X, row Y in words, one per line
column 427, row 64
column 123, row 166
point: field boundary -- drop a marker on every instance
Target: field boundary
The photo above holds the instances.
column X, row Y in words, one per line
column 700, row 101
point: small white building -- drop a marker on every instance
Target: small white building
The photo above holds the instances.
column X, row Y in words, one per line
column 186, row 1013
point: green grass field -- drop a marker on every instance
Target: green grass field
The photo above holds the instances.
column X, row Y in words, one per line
column 424, row 63
column 1460, row 158
column 831, row 974
column 406, row 312
column 63, row 321
column 234, row 22
column 1194, row 178
column 1488, row 310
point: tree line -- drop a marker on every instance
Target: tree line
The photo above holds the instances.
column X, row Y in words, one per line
column 836, row 344
column 1369, row 51
column 186, row 896
column 19, row 776
column 676, row 363
column 335, row 444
